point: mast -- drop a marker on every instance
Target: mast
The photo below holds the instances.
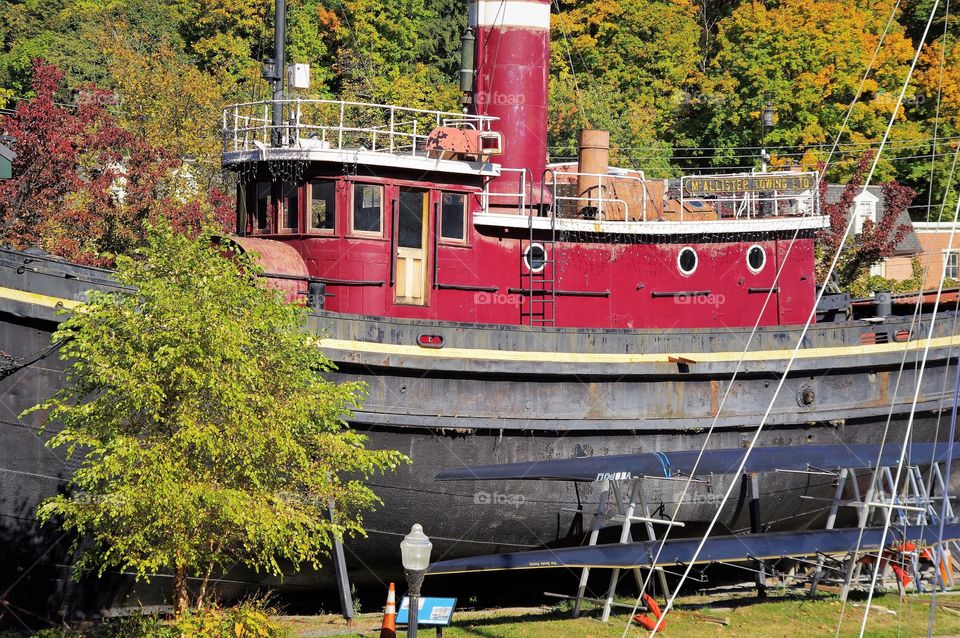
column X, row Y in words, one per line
column 273, row 70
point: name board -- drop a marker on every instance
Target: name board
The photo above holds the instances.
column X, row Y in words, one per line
column 748, row 184
column 434, row 612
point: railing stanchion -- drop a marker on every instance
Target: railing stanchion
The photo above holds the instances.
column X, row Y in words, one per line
column 392, row 113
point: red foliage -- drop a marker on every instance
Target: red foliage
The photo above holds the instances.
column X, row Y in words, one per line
column 83, row 187
column 876, row 241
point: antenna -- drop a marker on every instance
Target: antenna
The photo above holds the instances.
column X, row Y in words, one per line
column 273, row 69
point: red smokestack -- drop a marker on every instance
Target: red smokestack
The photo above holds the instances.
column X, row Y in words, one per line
column 513, row 63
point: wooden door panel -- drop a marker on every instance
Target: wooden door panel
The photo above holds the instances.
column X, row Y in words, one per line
column 411, row 256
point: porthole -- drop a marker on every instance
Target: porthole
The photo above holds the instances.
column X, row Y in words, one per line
column 687, row 260
column 756, row 258
column 535, row 257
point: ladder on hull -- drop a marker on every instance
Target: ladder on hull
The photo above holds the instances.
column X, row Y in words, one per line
column 538, row 271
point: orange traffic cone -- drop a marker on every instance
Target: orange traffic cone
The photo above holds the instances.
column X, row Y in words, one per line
column 388, row 628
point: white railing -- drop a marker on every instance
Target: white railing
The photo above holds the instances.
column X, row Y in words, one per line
column 523, row 186
column 338, row 124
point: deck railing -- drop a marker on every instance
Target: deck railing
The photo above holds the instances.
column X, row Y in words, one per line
column 338, row 125
column 748, row 197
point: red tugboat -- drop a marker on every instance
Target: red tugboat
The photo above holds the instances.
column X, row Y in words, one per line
column 505, row 309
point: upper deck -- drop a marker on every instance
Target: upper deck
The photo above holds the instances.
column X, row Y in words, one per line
column 339, row 131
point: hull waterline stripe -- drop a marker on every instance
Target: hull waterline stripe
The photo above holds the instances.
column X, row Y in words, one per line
column 48, row 301
column 38, row 300
column 598, row 357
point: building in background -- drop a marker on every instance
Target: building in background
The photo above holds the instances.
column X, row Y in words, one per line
column 869, row 205
column 940, row 242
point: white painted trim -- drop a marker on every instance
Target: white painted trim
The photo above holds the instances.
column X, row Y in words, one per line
column 935, row 227
column 510, row 13
column 733, row 226
column 372, row 158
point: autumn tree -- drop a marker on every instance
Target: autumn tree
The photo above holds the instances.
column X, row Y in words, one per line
column 167, row 102
column 206, row 432
column 806, row 57
column 83, row 187
column 622, row 66
column 875, row 242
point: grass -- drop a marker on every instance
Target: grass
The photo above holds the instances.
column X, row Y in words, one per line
column 782, row 615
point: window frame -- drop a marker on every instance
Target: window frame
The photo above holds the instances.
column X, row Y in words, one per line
column 368, row 234
column 763, row 264
column 955, row 255
column 308, row 213
column 452, row 241
column 270, row 211
column 864, row 209
column 696, row 261
column 281, row 210
column 528, row 258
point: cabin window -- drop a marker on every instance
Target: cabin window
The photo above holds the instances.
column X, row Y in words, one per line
column 756, row 258
column 410, row 229
column 264, row 191
column 687, row 260
column 453, row 208
column 953, row 265
column 535, row 257
column 289, row 207
column 323, row 205
column 368, row 209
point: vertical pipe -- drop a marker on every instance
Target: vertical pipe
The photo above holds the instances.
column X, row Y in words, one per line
column 756, row 527
column 279, row 66
column 593, row 159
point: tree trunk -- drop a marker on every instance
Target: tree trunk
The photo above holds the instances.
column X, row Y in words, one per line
column 181, row 595
column 202, row 596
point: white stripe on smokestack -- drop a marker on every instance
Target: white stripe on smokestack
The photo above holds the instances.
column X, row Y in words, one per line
column 510, row 13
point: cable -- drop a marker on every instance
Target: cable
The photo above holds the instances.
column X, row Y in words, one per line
column 796, row 349
column 936, row 118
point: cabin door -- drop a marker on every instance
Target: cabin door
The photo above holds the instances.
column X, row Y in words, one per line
column 412, row 219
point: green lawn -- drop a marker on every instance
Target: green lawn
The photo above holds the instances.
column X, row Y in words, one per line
column 786, row 616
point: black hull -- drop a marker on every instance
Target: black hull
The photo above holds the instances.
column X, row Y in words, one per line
column 462, row 405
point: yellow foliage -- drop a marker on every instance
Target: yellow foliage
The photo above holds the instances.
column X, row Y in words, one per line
column 167, row 101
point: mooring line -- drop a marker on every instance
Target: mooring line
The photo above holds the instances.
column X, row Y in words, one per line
column 799, row 344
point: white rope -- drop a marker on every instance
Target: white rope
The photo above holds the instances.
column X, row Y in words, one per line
column 886, row 428
column 753, row 332
column 876, row 468
column 888, row 511
column 936, row 117
column 799, row 344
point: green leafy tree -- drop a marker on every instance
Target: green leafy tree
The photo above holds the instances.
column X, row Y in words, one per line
column 622, row 66
column 207, row 432
column 807, row 58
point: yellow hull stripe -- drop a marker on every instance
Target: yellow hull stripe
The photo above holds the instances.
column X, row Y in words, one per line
column 481, row 354
column 38, row 300
column 598, row 357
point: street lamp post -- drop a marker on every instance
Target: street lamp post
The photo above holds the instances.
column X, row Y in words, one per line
column 768, row 118
column 415, row 554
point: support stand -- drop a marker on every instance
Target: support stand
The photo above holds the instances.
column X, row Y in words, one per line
column 913, row 503
column 756, row 527
column 340, row 571
column 627, row 495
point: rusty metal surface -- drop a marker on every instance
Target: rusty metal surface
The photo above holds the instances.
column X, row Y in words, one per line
column 277, row 257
